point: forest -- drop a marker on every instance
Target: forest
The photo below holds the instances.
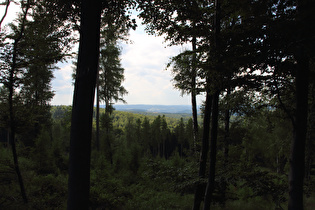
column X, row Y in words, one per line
column 250, row 147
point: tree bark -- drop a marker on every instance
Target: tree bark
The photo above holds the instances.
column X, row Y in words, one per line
column 215, row 110
column 82, row 109
column 199, row 192
column 297, row 159
column 213, row 152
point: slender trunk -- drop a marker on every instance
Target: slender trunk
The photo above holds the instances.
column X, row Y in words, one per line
column 82, row 109
column 5, row 12
column 227, row 132
column 226, row 145
column 10, row 101
column 310, row 133
column 193, row 96
column 297, row 159
column 107, row 114
column 97, row 113
column 12, row 126
column 213, row 152
column 199, row 192
column 16, row 166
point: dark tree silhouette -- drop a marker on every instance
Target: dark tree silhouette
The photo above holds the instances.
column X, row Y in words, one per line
column 11, row 85
column 82, row 111
column 297, row 159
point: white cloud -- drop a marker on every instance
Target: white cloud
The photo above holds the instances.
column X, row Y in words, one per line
column 144, row 62
column 11, row 14
column 62, row 85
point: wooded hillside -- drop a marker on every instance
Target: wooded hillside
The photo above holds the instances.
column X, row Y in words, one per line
column 151, row 162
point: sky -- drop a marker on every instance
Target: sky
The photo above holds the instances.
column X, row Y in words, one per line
column 144, row 61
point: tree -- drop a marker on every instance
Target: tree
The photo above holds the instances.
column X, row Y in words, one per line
column 155, row 136
column 111, row 75
column 297, row 159
column 184, row 70
column 82, row 109
column 180, row 22
column 7, row 4
column 42, row 48
column 145, row 134
column 181, row 138
column 114, row 27
column 29, row 52
column 11, row 64
column 199, row 190
column 84, row 90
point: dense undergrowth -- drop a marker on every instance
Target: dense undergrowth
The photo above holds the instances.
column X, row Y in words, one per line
column 156, row 184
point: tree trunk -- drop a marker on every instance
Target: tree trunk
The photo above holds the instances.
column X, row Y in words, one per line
column 213, row 152
column 199, row 192
column 310, row 133
column 226, row 144
column 10, row 101
column 193, row 96
column 97, row 113
column 5, row 12
column 297, row 159
column 12, row 126
column 215, row 110
column 82, row 109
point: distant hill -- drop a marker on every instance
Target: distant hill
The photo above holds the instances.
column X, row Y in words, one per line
column 174, row 109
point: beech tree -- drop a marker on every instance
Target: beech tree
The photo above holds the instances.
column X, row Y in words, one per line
column 82, row 109
column 83, row 98
column 302, row 56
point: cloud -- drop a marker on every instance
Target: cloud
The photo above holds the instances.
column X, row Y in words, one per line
column 146, row 79
column 144, row 62
column 62, row 85
column 13, row 10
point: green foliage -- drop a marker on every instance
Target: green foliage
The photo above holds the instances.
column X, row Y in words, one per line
column 8, row 183
column 107, row 190
column 43, row 154
column 47, row 191
column 111, row 74
column 163, row 185
column 151, row 199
